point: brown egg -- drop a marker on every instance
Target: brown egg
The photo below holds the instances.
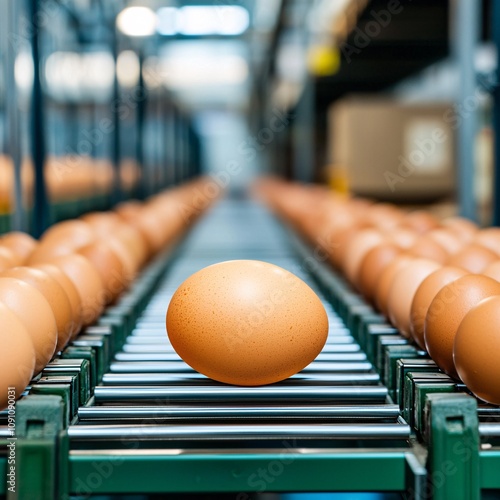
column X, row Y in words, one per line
column 246, row 323
column 384, row 216
column 102, row 222
column 17, row 357
column 404, row 238
column 402, row 290
column 76, row 232
column 144, row 221
column 128, row 210
column 47, row 252
column 473, row 258
column 87, row 282
column 427, row 248
column 493, row 270
column 446, row 312
column 340, row 239
column 476, row 348
column 372, row 266
column 54, row 294
column 135, row 243
column 462, row 227
column 488, row 238
column 147, row 223
column 71, row 292
column 109, row 267
column 356, row 248
column 385, row 281
column 424, row 295
column 420, row 221
column 7, row 258
column 21, row 244
column 447, row 239
column 33, row 310
column 63, row 238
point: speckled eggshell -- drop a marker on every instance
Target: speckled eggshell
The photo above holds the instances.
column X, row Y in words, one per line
column 246, row 322
column 476, row 349
column 17, row 356
column 446, row 312
column 424, row 295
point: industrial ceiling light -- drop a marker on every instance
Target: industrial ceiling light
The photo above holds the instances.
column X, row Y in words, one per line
column 137, row 21
column 200, row 20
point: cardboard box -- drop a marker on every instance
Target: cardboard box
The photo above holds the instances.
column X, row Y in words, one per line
column 394, row 151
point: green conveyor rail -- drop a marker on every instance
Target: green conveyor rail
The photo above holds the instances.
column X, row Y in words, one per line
column 150, row 473
column 3, row 474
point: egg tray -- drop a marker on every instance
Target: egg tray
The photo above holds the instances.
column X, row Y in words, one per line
column 117, row 413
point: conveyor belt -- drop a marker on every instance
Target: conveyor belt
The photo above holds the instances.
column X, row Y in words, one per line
column 337, row 397
column 371, row 413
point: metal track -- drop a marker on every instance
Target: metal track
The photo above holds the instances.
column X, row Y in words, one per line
column 337, row 397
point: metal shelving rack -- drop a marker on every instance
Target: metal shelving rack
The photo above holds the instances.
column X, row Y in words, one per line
column 182, row 162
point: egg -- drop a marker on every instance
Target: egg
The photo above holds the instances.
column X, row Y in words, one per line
column 62, row 238
column 102, row 222
column 402, row 290
column 447, row 239
column 420, row 221
column 488, row 238
column 493, row 270
column 427, row 248
column 476, row 348
column 54, row 294
column 339, row 242
column 17, row 357
column 76, row 232
column 404, row 238
column 356, row 248
column 464, row 228
column 246, row 323
column 87, row 282
column 385, row 281
column 473, row 258
column 424, row 295
column 109, row 267
column 446, row 312
column 21, row 244
column 71, row 292
column 35, row 313
column 7, row 258
column 384, row 216
column 372, row 266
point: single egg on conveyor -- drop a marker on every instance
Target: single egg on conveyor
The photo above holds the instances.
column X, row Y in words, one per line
column 246, row 322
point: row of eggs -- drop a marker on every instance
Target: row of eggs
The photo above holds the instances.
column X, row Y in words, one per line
column 437, row 281
column 50, row 289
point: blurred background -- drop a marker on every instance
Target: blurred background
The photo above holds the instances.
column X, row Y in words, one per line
column 106, row 100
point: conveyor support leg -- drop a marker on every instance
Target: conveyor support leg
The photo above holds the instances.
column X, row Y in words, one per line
column 41, row 450
column 453, row 438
